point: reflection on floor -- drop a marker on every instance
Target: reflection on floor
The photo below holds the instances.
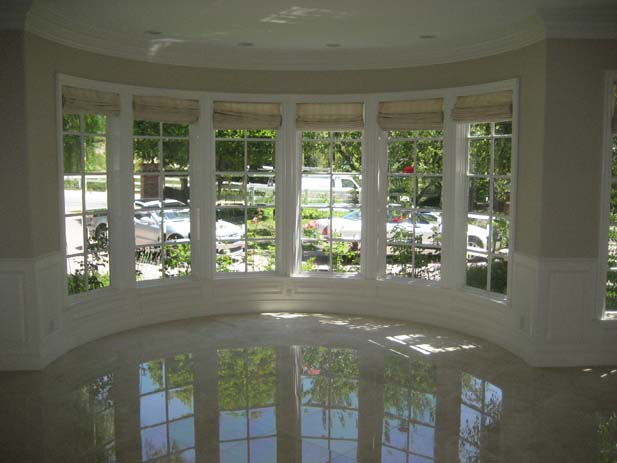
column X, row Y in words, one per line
column 304, row 388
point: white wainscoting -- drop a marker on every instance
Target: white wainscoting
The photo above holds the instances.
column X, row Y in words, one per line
column 548, row 320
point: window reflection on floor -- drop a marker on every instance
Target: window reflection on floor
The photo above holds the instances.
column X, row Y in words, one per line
column 247, row 405
column 96, row 407
column 410, row 403
column 166, row 410
column 480, row 420
column 329, row 404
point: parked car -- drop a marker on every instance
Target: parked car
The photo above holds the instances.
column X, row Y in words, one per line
column 176, row 220
column 427, row 228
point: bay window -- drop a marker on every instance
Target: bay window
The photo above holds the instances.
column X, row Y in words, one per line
column 85, row 168
column 330, row 197
column 413, row 193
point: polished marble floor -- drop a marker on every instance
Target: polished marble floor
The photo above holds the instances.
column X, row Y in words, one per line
column 293, row 388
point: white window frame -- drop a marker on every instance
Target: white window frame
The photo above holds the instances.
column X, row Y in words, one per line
column 600, row 312
column 247, row 173
column 288, row 181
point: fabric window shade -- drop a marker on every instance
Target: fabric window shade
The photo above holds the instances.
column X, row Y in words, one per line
column 85, row 100
column 165, row 109
column 329, row 116
column 237, row 115
column 487, row 107
column 411, row 115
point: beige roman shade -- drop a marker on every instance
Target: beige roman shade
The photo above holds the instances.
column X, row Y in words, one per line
column 329, row 116
column 411, row 115
column 85, row 100
column 238, row 115
column 165, row 109
column 487, row 107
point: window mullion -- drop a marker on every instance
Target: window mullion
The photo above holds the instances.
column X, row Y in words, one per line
column 454, row 242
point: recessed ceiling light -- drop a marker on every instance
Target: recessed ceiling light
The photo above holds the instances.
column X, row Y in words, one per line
column 333, row 45
column 245, row 44
column 428, row 36
column 152, row 32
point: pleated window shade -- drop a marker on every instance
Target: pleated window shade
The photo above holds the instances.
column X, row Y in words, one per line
column 165, row 109
column 238, row 115
column 329, row 116
column 411, row 115
column 84, row 100
column 487, row 107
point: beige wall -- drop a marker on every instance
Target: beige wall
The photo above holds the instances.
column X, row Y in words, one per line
column 573, row 145
column 44, row 59
column 14, row 180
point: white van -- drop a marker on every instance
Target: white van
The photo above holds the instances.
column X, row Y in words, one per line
column 316, row 189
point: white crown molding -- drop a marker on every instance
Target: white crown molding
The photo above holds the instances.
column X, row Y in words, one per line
column 580, row 23
column 59, row 28
column 13, row 14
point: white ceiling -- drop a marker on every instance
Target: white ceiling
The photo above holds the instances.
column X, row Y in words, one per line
column 295, row 35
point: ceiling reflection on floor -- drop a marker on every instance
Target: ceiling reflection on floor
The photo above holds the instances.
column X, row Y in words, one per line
column 295, row 389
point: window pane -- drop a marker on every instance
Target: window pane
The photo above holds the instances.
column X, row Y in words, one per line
column 229, row 190
column 72, row 195
column 501, row 235
column 428, row 193
column 430, row 156
column 176, row 191
column 315, row 256
column 400, row 157
column 72, row 154
column 97, row 261
column 230, row 156
column 260, row 223
column 400, row 226
column 175, row 130
column 315, row 222
column 427, row 264
column 346, row 190
column 96, row 193
column 146, row 128
column 479, row 191
column 70, row 122
column 347, row 157
column 477, row 234
column 148, row 227
column 146, row 155
column 153, row 442
column 261, row 134
column 346, row 256
column 501, row 196
column 399, row 261
column 503, row 128
column 177, row 261
column 182, row 434
column 75, row 271
column 477, row 272
column 315, row 157
column 95, row 123
column 316, row 190
column 260, row 156
column 480, row 129
column 228, row 133
column 74, row 234
column 499, row 275
column 479, row 156
column 503, row 156
column 401, row 192
column 261, row 256
column 260, row 190
column 148, row 263
column 176, row 155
